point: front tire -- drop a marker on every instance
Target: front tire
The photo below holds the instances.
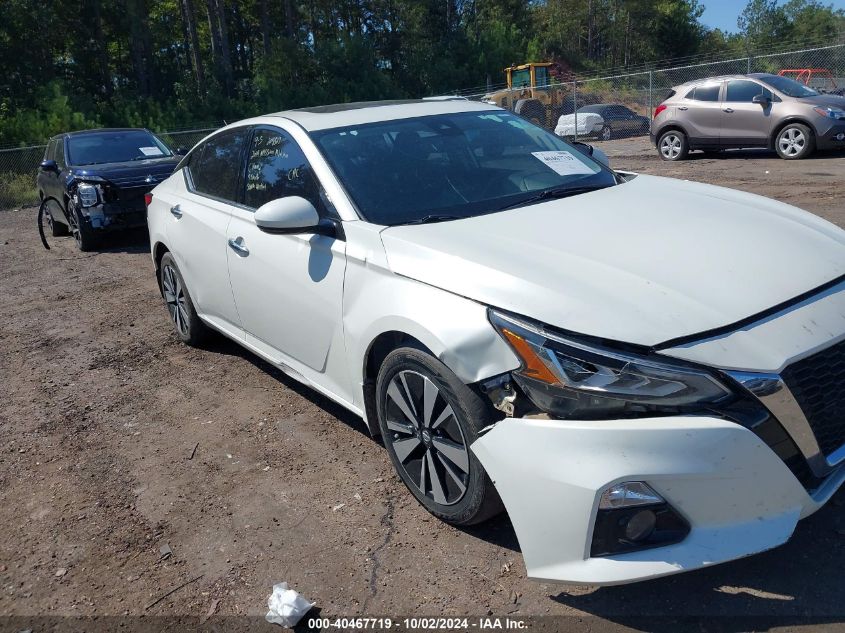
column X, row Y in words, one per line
column 673, row 145
column 795, row 141
column 56, row 228
column 606, row 133
column 85, row 237
column 189, row 327
column 428, row 420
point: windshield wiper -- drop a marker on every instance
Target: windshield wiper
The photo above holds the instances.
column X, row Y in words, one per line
column 553, row 194
column 431, row 219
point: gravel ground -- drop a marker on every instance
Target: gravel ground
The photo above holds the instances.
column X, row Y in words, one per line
column 117, row 440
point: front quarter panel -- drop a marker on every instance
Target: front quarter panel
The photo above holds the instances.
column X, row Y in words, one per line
column 455, row 329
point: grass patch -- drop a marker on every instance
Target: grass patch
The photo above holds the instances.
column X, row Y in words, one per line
column 17, row 190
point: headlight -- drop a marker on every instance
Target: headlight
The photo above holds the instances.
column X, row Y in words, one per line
column 87, row 195
column 571, row 378
column 833, row 113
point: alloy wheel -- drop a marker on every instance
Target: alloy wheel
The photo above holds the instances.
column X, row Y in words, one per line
column 792, row 142
column 426, row 437
column 174, row 296
column 606, row 133
column 671, row 146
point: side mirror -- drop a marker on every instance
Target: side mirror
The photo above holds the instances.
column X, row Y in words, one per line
column 762, row 100
column 181, row 150
column 595, row 153
column 289, row 215
column 48, row 165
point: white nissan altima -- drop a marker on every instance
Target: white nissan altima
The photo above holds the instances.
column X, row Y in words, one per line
column 647, row 374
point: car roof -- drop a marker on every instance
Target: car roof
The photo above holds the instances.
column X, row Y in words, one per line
column 363, row 112
column 696, row 82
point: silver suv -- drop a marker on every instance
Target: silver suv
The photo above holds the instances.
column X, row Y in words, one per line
column 757, row 110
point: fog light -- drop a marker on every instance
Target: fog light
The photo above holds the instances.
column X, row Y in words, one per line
column 640, row 526
column 628, row 494
column 632, row 516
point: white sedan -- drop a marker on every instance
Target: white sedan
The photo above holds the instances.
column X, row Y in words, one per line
column 647, row 374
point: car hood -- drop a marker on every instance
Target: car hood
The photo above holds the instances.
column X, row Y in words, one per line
column 832, row 101
column 130, row 174
column 644, row 262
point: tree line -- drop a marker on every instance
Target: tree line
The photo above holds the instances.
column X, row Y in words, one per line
column 169, row 63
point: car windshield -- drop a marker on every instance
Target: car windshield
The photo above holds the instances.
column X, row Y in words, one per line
column 451, row 166
column 115, row 147
column 789, row 87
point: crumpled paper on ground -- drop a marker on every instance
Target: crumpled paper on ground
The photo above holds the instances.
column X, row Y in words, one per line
column 286, row 606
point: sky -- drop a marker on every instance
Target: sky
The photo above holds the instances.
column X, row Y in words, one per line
column 722, row 14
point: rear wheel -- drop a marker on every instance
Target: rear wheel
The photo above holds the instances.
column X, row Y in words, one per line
column 673, row 145
column 428, row 420
column 189, row 327
column 795, row 141
column 606, row 133
column 532, row 110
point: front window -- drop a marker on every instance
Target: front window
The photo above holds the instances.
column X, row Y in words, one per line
column 115, row 147
column 452, row 166
column 277, row 168
column 789, row 87
column 541, row 75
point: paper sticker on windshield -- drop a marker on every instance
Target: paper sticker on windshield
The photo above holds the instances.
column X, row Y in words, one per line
column 151, row 151
column 563, row 163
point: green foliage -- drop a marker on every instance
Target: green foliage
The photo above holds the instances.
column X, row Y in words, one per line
column 176, row 63
column 50, row 114
column 17, row 190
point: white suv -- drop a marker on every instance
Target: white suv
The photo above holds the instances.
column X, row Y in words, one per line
column 646, row 373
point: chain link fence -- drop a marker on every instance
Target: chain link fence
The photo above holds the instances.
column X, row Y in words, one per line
column 626, row 101
column 19, row 165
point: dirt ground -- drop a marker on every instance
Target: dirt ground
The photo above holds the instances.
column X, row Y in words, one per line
column 117, row 441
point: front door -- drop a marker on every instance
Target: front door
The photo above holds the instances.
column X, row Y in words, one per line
column 288, row 288
column 745, row 123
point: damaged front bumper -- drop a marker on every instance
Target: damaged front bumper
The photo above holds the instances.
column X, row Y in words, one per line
column 113, row 216
column 736, row 495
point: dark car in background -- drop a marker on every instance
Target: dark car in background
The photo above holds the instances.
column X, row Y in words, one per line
column 619, row 120
column 94, row 181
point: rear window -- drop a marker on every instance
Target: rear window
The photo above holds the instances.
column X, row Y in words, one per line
column 708, row 92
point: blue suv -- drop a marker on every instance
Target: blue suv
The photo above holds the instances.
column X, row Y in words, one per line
column 94, row 181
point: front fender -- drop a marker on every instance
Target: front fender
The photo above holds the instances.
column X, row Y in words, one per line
column 376, row 301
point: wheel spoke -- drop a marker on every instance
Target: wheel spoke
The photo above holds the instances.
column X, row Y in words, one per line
column 429, row 398
column 456, row 453
column 436, row 484
column 400, row 427
column 444, row 415
column 404, row 448
column 422, row 485
column 460, row 484
column 394, row 394
column 407, row 392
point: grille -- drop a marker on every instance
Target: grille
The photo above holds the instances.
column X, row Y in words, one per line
column 818, row 384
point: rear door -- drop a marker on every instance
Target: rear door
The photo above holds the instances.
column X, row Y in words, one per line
column 700, row 114
column 199, row 217
column 745, row 123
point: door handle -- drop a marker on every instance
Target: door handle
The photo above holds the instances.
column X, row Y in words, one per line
column 176, row 211
column 683, row 108
column 239, row 247
column 729, row 110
